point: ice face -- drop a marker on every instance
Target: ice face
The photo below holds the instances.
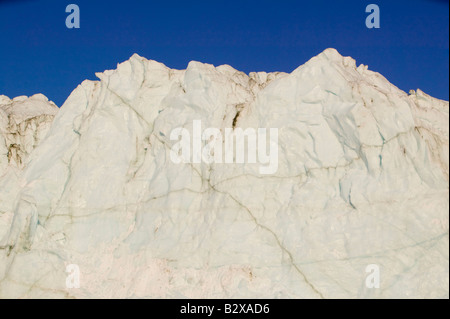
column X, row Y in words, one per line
column 24, row 122
column 362, row 180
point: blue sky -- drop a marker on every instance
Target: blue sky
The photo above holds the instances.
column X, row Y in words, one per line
column 40, row 55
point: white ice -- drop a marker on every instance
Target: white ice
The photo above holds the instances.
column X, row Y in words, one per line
column 362, row 179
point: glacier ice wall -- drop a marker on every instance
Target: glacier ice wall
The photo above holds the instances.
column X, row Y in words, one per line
column 362, row 179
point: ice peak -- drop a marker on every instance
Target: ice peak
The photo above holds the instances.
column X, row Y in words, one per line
column 332, row 56
column 136, row 56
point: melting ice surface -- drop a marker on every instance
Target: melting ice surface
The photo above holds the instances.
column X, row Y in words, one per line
column 362, row 180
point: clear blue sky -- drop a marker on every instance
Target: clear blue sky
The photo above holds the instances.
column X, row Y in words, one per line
column 38, row 54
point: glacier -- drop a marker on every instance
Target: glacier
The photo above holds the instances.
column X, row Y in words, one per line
column 362, row 179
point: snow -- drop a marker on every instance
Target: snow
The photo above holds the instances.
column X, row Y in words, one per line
column 362, row 179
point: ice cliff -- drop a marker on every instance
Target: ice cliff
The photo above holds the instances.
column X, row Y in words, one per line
column 362, row 179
